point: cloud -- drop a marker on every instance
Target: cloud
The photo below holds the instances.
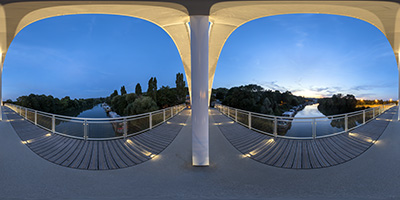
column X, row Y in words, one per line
column 271, row 85
column 370, row 87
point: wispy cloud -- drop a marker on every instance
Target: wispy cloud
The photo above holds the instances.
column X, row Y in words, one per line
column 271, row 85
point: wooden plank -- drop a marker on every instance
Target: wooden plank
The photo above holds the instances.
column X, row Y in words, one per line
column 46, row 149
column 134, row 155
column 149, row 144
column 312, row 155
column 68, row 153
column 353, row 143
column 102, row 159
column 257, row 143
column 155, row 140
column 328, row 152
column 285, row 154
column 305, row 156
column 60, row 151
column 40, row 144
column 74, row 154
column 340, row 152
column 263, row 150
column 121, row 154
column 133, row 144
column 324, row 153
column 86, row 157
column 144, row 146
column 297, row 158
column 94, row 160
column 290, row 158
column 280, row 151
column 120, row 163
column 352, row 151
column 77, row 161
column 108, row 157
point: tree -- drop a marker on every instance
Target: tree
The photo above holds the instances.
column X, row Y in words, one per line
column 141, row 105
column 115, row 93
column 130, row 98
column 152, row 88
column 180, row 88
column 166, row 97
column 123, row 90
column 118, row 104
column 138, row 89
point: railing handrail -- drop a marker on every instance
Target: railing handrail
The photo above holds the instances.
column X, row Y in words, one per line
column 23, row 111
column 94, row 119
column 226, row 110
column 283, row 117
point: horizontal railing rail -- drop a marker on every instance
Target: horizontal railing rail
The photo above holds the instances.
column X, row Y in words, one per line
column 307, row 127
column 90, row 128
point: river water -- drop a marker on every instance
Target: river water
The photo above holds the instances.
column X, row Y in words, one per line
column 303, row 127
column 95, row 130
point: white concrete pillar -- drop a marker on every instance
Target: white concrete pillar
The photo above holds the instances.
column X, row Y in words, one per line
column 398, row 111
column 199, row 54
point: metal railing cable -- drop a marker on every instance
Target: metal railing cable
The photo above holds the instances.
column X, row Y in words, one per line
column 89, row 128
column 312, row 127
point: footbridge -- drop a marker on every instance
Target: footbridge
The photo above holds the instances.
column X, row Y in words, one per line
column 369, row 172
column 199, row 29
column 56, row 138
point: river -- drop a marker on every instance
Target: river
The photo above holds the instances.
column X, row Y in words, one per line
column 95, row 130
column 303, row 127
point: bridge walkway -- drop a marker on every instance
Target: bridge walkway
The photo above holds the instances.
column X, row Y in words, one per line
column 304, row 153
column 96, row 155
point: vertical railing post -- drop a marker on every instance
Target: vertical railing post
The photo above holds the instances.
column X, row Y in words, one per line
column 26, row 113
column 125, row 128
column 235, row 115
column 172, row 112
column 150, row 121
column 346, row 123
column 228, row 113
column 275, row 126
column 85, row 130
column 250, row 120
column 53, row 123
column 163, row 115
column 35, row 117
column 363, row 116
column 314, row 128
column 373, row 113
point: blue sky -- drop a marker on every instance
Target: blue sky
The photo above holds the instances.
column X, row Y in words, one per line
column 309, row 54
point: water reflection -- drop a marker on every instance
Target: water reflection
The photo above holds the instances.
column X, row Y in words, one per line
column 303, row 127
column 95, row 130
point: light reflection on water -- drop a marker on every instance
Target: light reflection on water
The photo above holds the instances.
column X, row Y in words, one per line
column 95, row 130
column 303, row 127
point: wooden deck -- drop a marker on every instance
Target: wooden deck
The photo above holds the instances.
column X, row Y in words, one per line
column 97, row 155
column 303, row 154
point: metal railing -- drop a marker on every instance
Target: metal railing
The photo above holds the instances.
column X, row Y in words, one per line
column 97, row 128
column 302, row 127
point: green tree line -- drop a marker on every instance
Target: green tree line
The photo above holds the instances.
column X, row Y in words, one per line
column 255, row 98
column 338, row 104
column 64, row 106
column 138, row 102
